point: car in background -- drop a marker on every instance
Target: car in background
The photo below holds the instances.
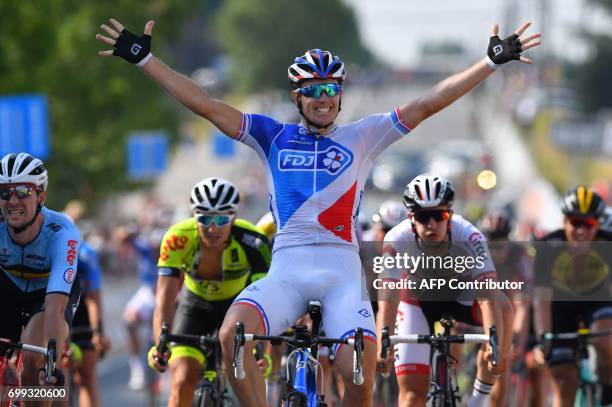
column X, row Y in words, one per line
column 455, row 158
column 394, row 169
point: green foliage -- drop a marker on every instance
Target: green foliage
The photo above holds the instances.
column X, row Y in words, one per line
column 49, row 47
column 607, row 4
column 593, row 76
column 263, row 37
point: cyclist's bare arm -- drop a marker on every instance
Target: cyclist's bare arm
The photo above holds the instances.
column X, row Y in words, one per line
column 387, row 312
column 55, row 326
column 186, row 91
column 520, row 325
column 165, row 297
column 454, row 87
column 444, row 93
column 93, row 302
column 225, row 117
column 542, row 301
column 492, row 315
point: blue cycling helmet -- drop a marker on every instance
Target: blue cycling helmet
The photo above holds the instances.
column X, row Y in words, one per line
column 316, row 64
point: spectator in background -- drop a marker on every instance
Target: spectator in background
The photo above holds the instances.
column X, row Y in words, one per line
column 139, row 309
column 87, row 328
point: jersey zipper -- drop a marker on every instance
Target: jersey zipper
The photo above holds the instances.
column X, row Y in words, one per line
column 314, row 186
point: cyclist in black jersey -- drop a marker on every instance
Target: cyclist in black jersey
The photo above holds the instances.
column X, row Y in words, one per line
column 513, row 262
column 220, row 255
column 572, row 287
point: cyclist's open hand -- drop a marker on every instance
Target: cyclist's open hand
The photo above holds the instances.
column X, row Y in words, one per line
column 510, row 48
column 134, row 49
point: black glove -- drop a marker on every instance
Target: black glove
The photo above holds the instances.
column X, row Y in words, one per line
column 132, row 48
column 506, row 50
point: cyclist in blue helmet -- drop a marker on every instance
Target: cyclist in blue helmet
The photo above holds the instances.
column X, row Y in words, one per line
column 316, row 178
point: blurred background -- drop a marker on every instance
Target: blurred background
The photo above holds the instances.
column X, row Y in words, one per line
column 126, row 154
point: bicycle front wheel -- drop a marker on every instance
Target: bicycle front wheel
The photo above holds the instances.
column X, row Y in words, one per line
column 204, row 397
column 297, row 400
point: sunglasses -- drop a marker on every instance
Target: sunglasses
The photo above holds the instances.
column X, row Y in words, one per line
column 219, row 220
column 315, row 91
column 21, row 191
column 587, row 223
column 425, row 216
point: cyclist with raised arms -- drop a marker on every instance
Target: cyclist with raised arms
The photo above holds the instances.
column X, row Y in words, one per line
column 434, row 230
column 220, row 255
column 572, row 286
column 38, row 257
column 317, row 172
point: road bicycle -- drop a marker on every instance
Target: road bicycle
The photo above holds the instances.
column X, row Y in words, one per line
column 300, row 390
column 444, row 390
column 588, row 393
column 212, row 390
column 11, row 367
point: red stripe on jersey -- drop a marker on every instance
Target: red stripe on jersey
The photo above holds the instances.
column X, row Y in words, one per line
column 338, row 218
column 412, row 368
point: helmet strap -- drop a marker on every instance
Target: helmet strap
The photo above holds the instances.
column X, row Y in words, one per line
column 30, row 223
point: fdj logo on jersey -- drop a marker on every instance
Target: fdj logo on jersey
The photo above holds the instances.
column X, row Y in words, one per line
column 332, row 160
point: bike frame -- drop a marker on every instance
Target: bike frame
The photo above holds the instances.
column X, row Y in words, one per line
column 5, row 364
column 586, row 394
column 304, row 383
column 6, row 354
column 441, row 360
column 305, row 379
column 209, row 346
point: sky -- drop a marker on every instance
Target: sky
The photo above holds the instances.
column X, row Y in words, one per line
column 394, row 29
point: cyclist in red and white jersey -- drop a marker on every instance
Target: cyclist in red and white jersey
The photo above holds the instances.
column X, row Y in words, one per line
column 433, row 230
column 316, row 176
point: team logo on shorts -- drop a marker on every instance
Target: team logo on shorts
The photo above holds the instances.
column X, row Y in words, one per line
column 69, row 276
column 331, row 160
column 252, row 288
column 364, row 313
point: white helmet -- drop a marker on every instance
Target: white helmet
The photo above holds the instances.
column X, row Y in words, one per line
column 22, row 167
column 428, row 191
column 214, row 195
column 390, row 214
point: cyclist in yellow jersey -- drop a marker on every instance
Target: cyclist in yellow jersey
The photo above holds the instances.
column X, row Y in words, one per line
column 572, row 285
column 220, row 255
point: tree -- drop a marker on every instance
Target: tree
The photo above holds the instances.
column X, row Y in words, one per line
column 262, row 37
column 49, row 48
column 593, row 75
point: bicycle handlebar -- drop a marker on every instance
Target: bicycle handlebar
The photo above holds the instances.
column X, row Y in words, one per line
column 50, row 353
column 493, row 341
column 387, row 341
column 298, row 340
column 196, row 340
column 582, row 333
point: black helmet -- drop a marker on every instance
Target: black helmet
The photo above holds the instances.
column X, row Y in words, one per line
column 582, row 201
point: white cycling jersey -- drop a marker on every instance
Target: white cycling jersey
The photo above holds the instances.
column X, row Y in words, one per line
column 416, row 317
column 464, row 235
column 316, row 182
